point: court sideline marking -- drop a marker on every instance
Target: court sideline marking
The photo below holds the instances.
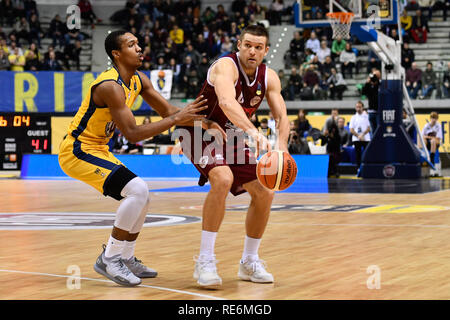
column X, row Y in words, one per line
column 109, row 281
column 443, row 226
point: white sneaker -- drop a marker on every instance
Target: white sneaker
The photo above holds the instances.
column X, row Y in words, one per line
column 205, row 272
column 254, row 271
column 114, row 269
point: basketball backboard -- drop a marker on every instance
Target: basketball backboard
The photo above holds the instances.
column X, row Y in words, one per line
column 374, row 13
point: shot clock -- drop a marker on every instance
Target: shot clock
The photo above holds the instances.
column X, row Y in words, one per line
column 22, row 133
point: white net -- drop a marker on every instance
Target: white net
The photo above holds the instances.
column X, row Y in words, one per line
column 341, row 23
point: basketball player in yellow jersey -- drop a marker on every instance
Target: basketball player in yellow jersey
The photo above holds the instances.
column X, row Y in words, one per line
column 84, row 153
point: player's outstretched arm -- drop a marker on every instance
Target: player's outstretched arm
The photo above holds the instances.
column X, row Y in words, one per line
column 112, row 94
column 278, row 108
column 165, row 109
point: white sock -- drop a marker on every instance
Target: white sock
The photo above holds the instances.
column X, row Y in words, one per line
column 251, row 246
column 114, row 247
column 207, row 243
column 128, row 250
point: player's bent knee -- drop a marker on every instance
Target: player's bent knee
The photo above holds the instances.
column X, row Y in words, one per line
column 136, row 188
column 221, row 180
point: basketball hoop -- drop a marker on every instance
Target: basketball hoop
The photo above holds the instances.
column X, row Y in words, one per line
column 341, row 23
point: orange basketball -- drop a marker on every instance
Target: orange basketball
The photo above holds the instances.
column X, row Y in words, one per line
column 276, row 170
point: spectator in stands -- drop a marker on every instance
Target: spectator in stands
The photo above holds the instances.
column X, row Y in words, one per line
column 71, row 35
column 33, row 58
column 370, row 90
column 413, row 80
column 337, row 47
column 325, row 68
column 275, row 12
column 284, row 84
column 323, row 51
column 336, row 84
column 332, row 118
column 51, row 64
column 313, row 43
column 72, row 52
column 343, row 132
column 35, row 30
column 87, row 13
column 19, row 8
column 419, row 29
column 427, row 5
column 4, row 61
column 226, row 46
column 296, row 48
column 406, row 22
column 294, row 83
column 185, row 71
column 21, row 30
column 296, row 144
column 177, row 35
column 302, row 125
column 6, row 13
column 445, row 8
column 446, row 82
column 265, row 129
column 17, row 60
column 311, row 81
column 408, row 56
column 57, row 31
column 160, row 63
column 348, row 60
column 194, row 54
column 359, row 128
column 203, row 68
column 13, row 47
column 201, row 45
column 429, row 80
column 4, row 46
column 432, row 134
column 333, row 142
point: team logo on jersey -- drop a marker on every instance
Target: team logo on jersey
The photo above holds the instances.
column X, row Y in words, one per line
column 109, row 128
column 258, row 89
column 203, row 161
column 255, row 100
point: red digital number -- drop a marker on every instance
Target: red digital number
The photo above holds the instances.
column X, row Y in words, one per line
column 45, row 144
column 35, row 144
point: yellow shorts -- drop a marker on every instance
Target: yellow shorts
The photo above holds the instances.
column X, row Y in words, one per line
column 94, row 165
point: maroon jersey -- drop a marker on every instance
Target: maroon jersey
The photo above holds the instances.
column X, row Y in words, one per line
column 249, row 95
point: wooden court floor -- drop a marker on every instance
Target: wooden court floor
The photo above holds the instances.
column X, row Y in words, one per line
column 396, row 247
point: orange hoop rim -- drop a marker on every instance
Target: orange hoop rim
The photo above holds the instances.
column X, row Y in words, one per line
column 343, row 17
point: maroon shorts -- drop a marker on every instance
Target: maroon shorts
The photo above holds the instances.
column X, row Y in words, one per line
column 206, row 156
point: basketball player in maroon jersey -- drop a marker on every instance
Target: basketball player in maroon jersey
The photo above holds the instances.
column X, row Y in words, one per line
column 235, row 87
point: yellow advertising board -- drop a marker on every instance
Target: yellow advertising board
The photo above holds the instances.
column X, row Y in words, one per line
column 60, row 125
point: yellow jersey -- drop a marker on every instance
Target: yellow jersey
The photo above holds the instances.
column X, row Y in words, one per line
column 93, row 124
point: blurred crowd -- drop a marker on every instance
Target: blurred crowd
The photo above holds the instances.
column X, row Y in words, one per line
column 21, row 46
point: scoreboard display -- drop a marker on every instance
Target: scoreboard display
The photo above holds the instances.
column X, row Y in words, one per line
column 22, row 133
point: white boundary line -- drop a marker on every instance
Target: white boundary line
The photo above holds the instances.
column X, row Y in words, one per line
column 443, row 226
column 109, row 281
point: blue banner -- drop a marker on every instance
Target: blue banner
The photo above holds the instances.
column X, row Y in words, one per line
column 48, row 91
